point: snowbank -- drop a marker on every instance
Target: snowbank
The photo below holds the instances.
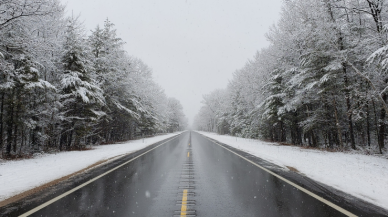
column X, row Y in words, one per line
column 362, row 176
column 22, row 175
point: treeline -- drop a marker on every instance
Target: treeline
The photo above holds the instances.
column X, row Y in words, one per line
column 62, row 89
column 322, row 81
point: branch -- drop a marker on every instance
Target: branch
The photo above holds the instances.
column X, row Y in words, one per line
column 21, row 11
column 371, row 84
column 353, row 9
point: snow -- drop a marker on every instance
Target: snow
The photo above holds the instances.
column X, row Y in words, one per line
column 34, row 70
column 363, row 176
column 22, row 175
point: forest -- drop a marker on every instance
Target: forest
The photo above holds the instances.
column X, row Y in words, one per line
column 321, row 82
column 63, row 87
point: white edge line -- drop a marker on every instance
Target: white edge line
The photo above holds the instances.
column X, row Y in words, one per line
column 338, row 208
column 88, row 182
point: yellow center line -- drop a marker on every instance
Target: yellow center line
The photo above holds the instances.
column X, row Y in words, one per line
column 188, row 154
column 184, row 203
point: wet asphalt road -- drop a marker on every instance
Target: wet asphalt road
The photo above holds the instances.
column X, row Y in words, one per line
column 202, row 178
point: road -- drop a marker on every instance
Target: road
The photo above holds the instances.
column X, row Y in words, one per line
column 191, row 175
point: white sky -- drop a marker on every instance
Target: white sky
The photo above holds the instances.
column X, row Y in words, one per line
column 193, row 46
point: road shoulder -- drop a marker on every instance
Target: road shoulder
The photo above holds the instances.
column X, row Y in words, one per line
column 36, row 196
column 342, row 199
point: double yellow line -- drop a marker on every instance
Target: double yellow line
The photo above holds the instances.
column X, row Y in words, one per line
column 184, row 197
column 184, row 203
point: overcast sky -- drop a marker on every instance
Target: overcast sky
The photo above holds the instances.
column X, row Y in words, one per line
column 193, row 46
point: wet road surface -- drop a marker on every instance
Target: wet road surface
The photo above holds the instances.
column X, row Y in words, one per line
column 192, row 176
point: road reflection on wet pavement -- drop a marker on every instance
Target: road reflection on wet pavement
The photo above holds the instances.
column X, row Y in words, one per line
column 189, row 176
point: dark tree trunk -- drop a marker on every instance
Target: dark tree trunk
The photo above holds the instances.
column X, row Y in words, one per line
column 69, row 139
column 15, row 137
column 376, row 8
column 381, row 134
column 33, row 139
column 332, row 139
column 62, row 140
column 1, row 121
column 339, row 134
column 341, row 47
column 282, row 132
column 350, row 122
column 16, row 122
column 314, row 139
column 367, row 123
column 9, row 126
column 376, row 120
column 347, row 96
column 21, row 142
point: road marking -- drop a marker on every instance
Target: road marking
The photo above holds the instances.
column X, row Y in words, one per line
column 189, row 144
column 184, row 203
column 188, row 154
column 88, row 182
column 340, row 209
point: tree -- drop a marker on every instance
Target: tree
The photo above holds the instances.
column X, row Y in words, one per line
column 321, row 82
column 80, row 94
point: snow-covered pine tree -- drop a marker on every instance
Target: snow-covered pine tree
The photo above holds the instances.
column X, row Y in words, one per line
column 81, row 97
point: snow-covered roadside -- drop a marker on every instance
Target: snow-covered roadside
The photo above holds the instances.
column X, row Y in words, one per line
column 22, row 175
column 362, row 176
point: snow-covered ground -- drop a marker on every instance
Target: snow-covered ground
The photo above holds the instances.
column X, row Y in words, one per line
column 362, row 176
column 22, row 175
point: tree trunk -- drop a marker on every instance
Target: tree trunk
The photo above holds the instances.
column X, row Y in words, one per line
column 341, row 47
column 70, row 139
column 62, row 140
column 21, row 142
column 367, row 123
column 350, row 122
column 339, row 134
column 376, row 8
column 16, row 122
column 9, row 126
column 381, row 134
column 33, row 139
column 282, row 132
column 376, row 120
column 15, row 137
column 1, row 121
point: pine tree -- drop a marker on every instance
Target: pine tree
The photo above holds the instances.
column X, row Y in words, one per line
column 81, row 97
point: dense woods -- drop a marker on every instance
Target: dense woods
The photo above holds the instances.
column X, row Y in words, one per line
column 322, row 81
column 62, row 87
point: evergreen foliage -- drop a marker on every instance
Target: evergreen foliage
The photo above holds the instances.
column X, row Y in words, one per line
column 321, row 82
column 61, row 89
